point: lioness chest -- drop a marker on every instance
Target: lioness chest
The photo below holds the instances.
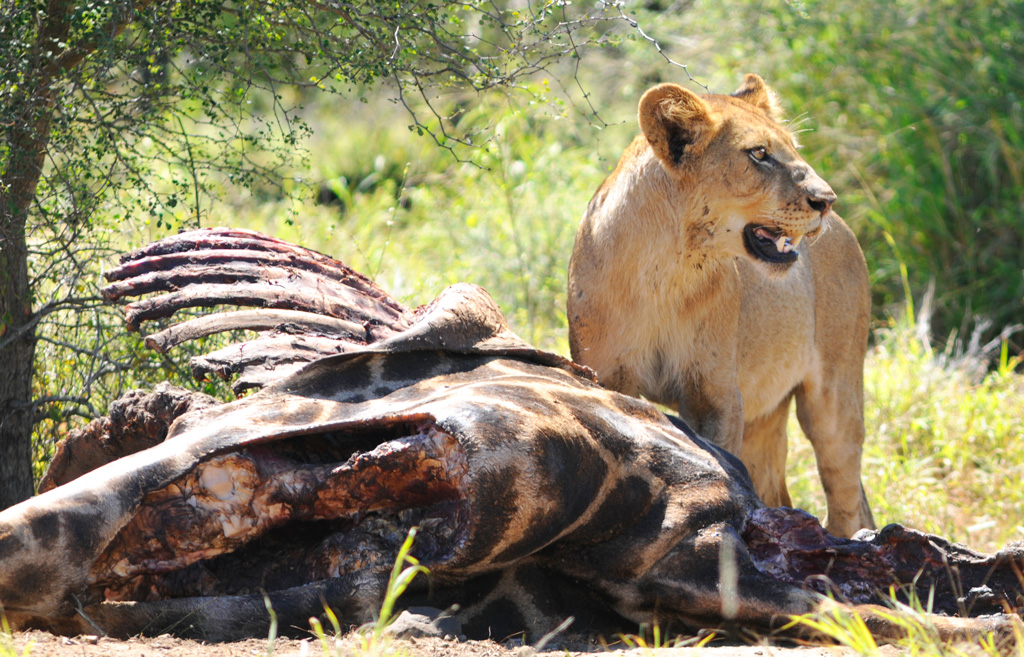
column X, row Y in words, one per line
column 776, row 338
column 770, row 352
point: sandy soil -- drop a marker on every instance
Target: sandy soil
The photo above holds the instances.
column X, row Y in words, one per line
column 42, row 644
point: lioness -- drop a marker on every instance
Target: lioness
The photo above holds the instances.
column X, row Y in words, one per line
column 710, row 274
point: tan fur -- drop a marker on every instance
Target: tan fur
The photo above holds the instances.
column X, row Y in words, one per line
column 666, row 300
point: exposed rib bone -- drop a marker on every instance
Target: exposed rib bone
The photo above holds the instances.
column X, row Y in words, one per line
column 267, row 353
column 207, row 258
column 289, row 321
column 218, row 238
column 195, row 245
column 340, row 303
column 212, row 239
column 301, row 292
column 155, row 273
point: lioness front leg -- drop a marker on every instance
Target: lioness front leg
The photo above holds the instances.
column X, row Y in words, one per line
column 714, row 408
column 764, row 454
column 833, row 420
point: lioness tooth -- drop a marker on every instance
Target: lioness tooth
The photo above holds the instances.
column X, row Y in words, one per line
column 781, row 243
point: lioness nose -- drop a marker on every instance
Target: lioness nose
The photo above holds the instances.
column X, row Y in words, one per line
column 821, row 200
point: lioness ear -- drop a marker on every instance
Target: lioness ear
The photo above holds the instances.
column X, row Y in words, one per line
column 759, row 94
column 676, row 122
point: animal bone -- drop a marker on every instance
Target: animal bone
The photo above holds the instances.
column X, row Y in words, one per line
column 539, row 494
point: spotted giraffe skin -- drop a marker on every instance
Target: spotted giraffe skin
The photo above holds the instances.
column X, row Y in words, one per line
column 538, row 494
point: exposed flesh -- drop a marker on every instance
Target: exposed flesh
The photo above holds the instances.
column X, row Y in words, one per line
column 230, row 500
column 791, row 545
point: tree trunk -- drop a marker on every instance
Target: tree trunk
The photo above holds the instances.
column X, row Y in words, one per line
column 26, row 141
column 16, row 357
column 26, row 155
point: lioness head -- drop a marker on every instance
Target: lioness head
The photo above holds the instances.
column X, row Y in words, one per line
column 767, row 198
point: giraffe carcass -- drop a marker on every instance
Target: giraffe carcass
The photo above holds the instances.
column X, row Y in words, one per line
column 538, row 494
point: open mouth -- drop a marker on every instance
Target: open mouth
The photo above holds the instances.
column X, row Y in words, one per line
column 770, row 246
column 272, row 517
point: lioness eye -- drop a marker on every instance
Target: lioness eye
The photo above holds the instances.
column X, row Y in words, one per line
column 759, row 154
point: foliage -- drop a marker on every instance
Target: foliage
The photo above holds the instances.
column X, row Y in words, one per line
column 406, row 568
column 650, row 639
column 272, row 631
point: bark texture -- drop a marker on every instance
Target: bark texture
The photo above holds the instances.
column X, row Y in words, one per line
column 27, row 148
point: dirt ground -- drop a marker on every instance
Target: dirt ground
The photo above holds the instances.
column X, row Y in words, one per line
column 42, row 644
